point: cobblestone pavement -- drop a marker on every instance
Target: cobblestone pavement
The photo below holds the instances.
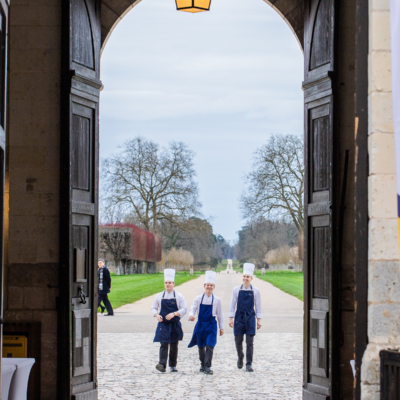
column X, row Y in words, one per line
column 126, row 369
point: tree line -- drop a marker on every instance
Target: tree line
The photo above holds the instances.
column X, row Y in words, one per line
column 155, row 188
column 265, row 241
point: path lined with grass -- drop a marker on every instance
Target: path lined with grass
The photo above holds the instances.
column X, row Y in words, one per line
column 289, row 282
column 126, row 289
column 224, row 263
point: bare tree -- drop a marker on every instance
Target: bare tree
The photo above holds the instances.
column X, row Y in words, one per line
column 275, row 186
column 260, row 236
column 149, row 184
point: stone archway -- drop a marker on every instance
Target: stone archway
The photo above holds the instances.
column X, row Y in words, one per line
column 112, row 11
column 329, row 133
column 109, row 372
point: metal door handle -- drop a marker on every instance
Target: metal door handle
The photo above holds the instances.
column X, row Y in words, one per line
column 82, row 295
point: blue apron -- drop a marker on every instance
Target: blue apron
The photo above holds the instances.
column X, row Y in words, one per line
column 245, row 316
column 168, row 331
column 205, row 331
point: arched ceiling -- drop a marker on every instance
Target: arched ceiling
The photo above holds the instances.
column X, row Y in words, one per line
column 112, row 11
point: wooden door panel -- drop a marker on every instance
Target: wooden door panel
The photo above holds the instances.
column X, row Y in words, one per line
column 319, row 343
column 81, row 342
column 82, row 151
column 320, row 361
column 319, row 29
column 82, row 268
column 321, row 48
column 80, row 199
column 320, row 152
column 318, row 265
column 82, row 37
column 321, row 262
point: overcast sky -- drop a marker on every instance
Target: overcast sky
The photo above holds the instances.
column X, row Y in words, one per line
column 220, row 81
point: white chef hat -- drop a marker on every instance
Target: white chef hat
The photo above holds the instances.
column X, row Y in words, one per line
column 210, row 277
column 169, row 275
column 248, row 269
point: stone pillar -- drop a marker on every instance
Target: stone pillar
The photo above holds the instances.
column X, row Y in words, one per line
column 383, row 252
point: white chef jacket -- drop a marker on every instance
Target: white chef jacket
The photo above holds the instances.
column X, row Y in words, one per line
column 180, row 302
column 234, row 299
column 207, row 300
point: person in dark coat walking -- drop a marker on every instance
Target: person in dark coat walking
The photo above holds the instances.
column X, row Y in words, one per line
column 104, row 279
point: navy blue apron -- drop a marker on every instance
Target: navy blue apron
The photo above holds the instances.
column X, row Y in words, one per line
column 169, row 331
column 245, row 316
column 205, row 331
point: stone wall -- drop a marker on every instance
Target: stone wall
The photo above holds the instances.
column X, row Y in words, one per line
column 32, row 187
column 383, row 257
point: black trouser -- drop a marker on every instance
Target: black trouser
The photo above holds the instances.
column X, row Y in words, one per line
column 249, row 347
column 206, row 355
column 173, row 354
column 104, row 298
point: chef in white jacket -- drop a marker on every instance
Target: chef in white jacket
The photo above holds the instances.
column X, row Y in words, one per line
column 245, row 315
column 209, row 310
column 168, row 307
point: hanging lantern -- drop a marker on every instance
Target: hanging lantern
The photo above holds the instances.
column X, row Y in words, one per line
column 193, row 6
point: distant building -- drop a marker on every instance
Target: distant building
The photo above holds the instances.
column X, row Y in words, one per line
column 131, row 249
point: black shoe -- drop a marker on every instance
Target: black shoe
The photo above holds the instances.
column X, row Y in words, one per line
column 208, row 371
column 160, row 367
column 249, row 369
column 173, row 369
column 201, row 368
column 108, row 315
column 102, row 309
column 240, row 363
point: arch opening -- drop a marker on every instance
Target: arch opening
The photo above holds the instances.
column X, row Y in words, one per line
column 151, row 83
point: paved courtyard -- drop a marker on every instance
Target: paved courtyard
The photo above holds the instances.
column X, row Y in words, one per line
column 127, row 362
column 127, row 355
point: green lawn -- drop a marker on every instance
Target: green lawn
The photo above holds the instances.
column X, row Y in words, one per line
column 289, row 282
column 126, row 289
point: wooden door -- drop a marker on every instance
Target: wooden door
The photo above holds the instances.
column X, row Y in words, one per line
column 4, row 5
column 79, row 200
column 320, row 352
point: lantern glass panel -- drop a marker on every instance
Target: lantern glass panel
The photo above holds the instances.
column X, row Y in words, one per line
column 183, row 4
column 202, row 4
column 193, row 6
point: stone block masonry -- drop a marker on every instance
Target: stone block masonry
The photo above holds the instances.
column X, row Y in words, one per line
column 383, row 254
column 33, row 170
